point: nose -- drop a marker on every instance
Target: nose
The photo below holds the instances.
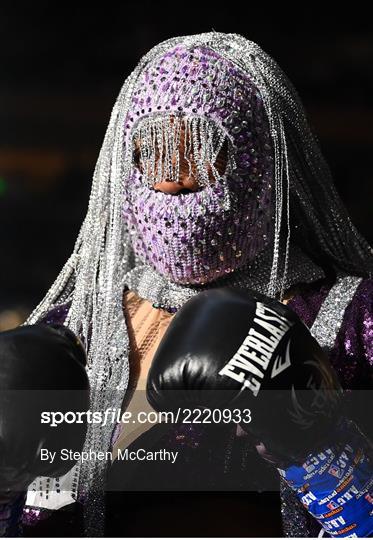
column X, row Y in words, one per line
column 168, row 186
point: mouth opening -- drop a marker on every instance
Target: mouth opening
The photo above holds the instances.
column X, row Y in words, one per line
column 184, row 191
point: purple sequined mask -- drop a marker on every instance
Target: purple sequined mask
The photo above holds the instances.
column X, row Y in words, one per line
column 197, row 237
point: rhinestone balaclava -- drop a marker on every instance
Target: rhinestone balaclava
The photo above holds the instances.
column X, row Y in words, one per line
column 197, row 237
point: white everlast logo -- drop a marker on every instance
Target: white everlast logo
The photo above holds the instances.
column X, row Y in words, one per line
column 251, row 361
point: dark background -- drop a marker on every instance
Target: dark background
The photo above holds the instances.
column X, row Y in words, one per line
column 62, row 68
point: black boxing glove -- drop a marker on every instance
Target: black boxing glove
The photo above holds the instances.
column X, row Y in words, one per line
column 42, row 368
column 234, row 349
column 231, row 349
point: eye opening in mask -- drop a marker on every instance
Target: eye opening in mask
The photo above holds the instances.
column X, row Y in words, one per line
column 178, row 148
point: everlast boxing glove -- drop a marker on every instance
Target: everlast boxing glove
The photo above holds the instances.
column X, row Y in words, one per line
column 232, row 349
column 42, row 368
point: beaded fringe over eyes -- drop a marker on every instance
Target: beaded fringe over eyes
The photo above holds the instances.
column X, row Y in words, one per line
column 159, row 137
